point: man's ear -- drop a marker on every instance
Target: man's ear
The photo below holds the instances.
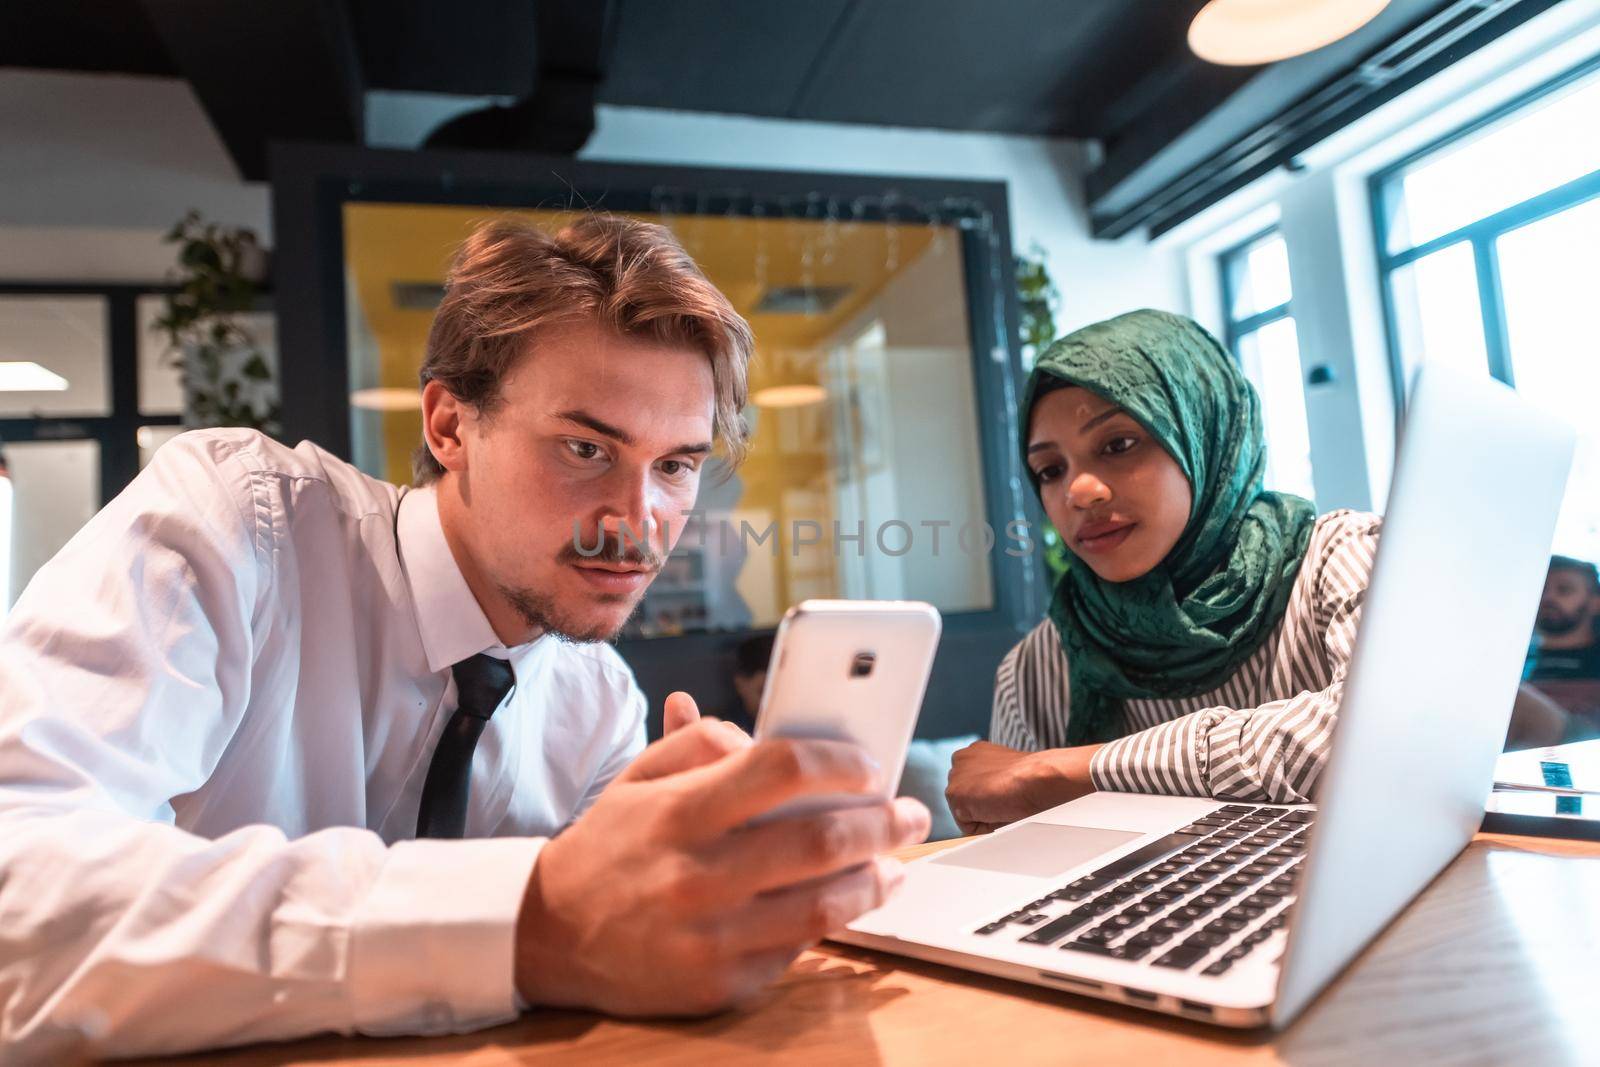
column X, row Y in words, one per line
column 442, row 418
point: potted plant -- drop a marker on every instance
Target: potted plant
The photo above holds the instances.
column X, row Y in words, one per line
column 226, row 376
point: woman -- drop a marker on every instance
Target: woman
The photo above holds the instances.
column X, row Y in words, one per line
column 1199, row 640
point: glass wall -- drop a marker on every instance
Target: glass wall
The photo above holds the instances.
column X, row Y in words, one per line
column 865, row 474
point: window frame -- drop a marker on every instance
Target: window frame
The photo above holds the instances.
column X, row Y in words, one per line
column 1230, row 262
column 311, row 183
column 1384, row 188
column 116, row 432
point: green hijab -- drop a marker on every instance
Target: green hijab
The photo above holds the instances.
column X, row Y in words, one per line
column 1185, row 627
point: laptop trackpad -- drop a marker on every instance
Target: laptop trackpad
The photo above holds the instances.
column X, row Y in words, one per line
column 1037, row 849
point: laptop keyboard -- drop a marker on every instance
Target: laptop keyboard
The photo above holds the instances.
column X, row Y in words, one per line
column 1202, row 897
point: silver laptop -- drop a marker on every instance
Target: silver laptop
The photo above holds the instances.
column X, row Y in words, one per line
column 1239, row 913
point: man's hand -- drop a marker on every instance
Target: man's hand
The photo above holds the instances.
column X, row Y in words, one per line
column 661, row 900
column 991, row 785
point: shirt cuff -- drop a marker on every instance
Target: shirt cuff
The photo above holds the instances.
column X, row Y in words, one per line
column 1166, row 758
column 433, row 945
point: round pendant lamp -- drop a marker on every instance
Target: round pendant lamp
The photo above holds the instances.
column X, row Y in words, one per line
column 1241, row 33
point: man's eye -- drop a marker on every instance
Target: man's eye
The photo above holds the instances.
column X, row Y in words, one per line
column 584, row 449
column 676, row 468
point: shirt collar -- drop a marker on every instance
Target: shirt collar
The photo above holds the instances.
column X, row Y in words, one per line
column 452, row 624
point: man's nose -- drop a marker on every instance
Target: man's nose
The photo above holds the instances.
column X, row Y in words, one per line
column 627, row 516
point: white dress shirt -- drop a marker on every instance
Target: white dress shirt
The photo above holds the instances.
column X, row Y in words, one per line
column 217, row 708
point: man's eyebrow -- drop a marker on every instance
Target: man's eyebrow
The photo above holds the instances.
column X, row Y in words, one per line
column 604, row 429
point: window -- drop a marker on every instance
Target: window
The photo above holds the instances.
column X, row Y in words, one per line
column 1261, row 336
column 84, row 400
column 1490, row 260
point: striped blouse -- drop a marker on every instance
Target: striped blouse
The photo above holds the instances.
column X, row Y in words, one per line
column 1262, row 735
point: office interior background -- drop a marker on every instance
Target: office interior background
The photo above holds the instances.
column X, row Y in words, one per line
column 905, row 198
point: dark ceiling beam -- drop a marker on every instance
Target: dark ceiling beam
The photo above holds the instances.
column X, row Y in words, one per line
column 278, row 70
column 573, row 44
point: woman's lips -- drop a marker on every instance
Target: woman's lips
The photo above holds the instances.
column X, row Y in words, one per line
column 1103, row 537
column 614, row 581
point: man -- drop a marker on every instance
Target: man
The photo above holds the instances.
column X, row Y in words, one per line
column 244, row 709
column 1565, row 662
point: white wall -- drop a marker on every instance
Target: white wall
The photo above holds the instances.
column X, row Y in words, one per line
column 94, row 169
column 1324, row 214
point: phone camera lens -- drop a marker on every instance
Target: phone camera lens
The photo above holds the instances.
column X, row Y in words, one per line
column 861, row 664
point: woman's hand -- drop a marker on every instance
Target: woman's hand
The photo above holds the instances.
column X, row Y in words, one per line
column 991, row 785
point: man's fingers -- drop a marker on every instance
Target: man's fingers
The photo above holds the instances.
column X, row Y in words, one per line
column 680, row 711
column 785, row 852
column 696, row 745
column 803, row 915
column 767, row 775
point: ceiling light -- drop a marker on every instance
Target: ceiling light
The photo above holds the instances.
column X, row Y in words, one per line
column 387, row 399
column 1242, row 33
column 789, row 396
column 29, row 377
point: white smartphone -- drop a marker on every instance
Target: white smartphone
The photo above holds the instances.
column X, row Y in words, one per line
column 850, row 670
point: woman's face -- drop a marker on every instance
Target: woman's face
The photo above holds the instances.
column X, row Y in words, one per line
column 1117, row 497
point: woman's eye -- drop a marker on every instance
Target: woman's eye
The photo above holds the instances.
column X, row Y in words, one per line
column 1118, row 445
column 1048, row 474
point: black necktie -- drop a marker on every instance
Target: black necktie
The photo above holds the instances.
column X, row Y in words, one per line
column 481, row 684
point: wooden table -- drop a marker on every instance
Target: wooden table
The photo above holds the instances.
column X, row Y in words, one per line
column 1497, row 963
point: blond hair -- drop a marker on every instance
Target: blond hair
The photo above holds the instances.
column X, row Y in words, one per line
column 510, row 279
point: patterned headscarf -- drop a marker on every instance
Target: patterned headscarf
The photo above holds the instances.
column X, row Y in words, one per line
column 1186, row 626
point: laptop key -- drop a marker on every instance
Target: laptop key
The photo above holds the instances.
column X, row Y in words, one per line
column 1094, row 947
column 1204, row 939
column 1300, row 815
column 1057, row 928
column 1182, row 957
column 994, row 927
column 1156, row 850
column 1219, row 967
column 1237, row 809
column 1162, row 896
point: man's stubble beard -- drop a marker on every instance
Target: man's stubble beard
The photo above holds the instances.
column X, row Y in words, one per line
column 542, row 612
